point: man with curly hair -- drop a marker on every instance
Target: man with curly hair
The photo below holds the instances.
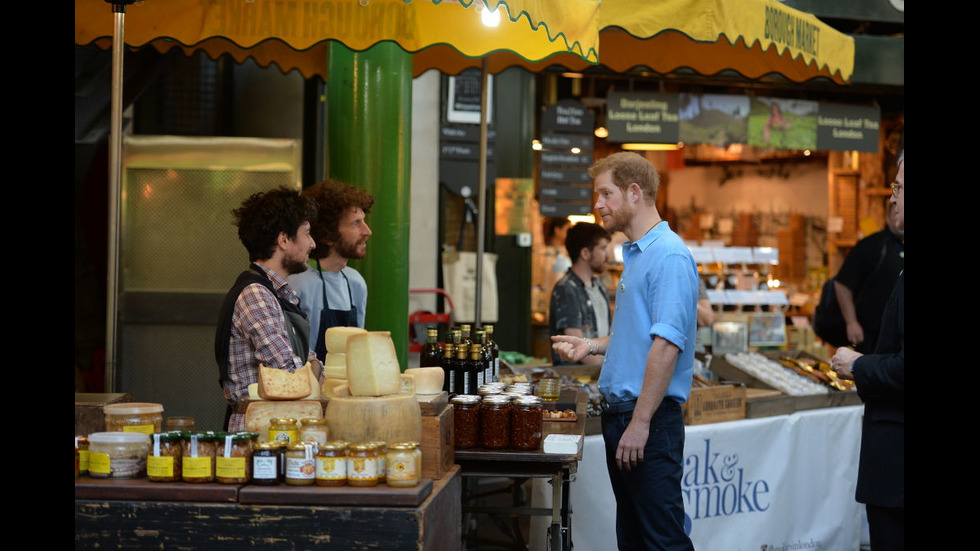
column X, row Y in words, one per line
column 260, row 320
column 331, row 292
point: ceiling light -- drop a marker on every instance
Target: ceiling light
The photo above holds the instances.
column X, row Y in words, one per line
column 651, row 146
column 601, row 132
column 490, row 18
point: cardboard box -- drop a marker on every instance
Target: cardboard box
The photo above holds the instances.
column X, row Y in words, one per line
column 438, row 451
column 89, row 414
column 715, row 404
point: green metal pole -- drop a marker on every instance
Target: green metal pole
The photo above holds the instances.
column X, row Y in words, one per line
column 369, row 122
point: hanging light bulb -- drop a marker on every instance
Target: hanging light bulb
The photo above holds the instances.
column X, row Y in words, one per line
column 490, row 18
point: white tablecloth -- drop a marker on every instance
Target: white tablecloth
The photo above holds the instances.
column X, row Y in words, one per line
column 778, row 484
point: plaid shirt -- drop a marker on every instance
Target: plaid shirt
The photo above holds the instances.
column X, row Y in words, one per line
column 259, row 335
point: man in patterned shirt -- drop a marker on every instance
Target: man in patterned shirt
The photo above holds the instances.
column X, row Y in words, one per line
column 260, row 321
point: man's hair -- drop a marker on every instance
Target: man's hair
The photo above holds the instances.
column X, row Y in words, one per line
column 584, row 236
column 263, row 216
column 333, row 199
column 628, row 168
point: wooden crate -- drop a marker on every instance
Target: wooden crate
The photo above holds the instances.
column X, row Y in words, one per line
column 89, row 414
column 715, row 404
column 438, row 451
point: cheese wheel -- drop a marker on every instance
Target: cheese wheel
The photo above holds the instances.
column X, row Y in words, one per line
column 280, row 384
column 335, row 338
column 408, row 384
column 372, row 419
column 335, row 365
column 258, row 414
column 326, row 390
column 372, row 365
column 428, row 380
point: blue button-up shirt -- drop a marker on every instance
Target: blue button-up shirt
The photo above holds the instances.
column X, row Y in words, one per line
column 657, row 295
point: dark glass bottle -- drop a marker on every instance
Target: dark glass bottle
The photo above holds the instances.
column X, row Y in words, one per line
column 431, row 353
column 465, row 335
column 448, row 364
column 494, row 353
column 486, row 375
column 476, row 367
column 461, row 366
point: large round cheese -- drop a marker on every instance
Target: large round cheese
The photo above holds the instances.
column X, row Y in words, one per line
column 389, row 419
column 335, row 338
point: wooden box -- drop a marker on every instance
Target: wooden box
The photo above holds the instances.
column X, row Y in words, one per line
column 89, row 414
column 715, row 404
column 438, row 452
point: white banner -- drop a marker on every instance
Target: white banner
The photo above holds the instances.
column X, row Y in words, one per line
column 774, row 484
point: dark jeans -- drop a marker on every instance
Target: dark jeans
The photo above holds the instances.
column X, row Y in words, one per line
column 886, row 526
column 649, row 506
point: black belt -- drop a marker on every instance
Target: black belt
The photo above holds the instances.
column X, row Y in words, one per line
column 620, row 408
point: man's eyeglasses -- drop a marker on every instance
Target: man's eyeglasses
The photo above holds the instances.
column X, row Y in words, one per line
column 896, row 187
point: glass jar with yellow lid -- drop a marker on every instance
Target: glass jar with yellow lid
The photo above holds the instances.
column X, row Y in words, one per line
column 362, row 464
column 314, row 429
column 331, row 464
column 301, row 464
column 283, row 429
column 404, row 464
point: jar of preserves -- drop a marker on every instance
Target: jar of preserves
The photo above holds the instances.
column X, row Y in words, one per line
column 382, row 460
column 163, row 464
column 198, row 454
column 466, row 421
column 301, row 464
column 549, row 389
column 179, row 423
column 265, row 464
column 283, row 430
column 81, row 444
column 314, row 429
column 134, row 417
column 404, row 466
column 362, row 464
column 331, row 464
column 118, row 454
column 495, row 422
column 526, row 423
column 233, row 464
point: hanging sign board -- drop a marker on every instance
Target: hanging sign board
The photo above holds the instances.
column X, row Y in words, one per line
column 463, row 103
column 569, row 116
column 572, row 193
column 843, row 127
column 642, row 117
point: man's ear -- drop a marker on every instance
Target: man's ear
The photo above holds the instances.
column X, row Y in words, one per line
column 282, row 240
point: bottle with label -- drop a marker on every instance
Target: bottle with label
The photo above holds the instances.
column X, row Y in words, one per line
column 461, row 365
column 465, row 335
column 448, row 366
column 487, row 376
column 475, row 369
column 431, row 353
column 494, row 352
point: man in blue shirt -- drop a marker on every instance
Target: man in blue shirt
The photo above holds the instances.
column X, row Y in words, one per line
column 649, row 357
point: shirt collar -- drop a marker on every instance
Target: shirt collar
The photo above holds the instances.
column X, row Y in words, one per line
column 652, row 235
column 278, row 282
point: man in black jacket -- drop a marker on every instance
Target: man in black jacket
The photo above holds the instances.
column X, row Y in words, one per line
column 880, row 382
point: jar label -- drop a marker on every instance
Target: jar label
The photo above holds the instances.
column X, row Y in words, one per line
column 402, row 469
column 264, row 468
column 300, row 468
column 145, row 429
column 83, row 460
column 197, row 467
column 331, row 468
column 362, row 468
column 99, row 463
column 287, row 436
column 160, row 466
column 319, row 436
column 230, row 467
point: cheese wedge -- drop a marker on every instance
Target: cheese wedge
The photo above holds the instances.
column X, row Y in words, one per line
column 428, row 380
column 279, row 384
column 335, row 365
column 372, row 365
column 335, row 338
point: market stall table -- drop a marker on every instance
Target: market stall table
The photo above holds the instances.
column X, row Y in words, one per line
column 138, row 514
column 522, row 465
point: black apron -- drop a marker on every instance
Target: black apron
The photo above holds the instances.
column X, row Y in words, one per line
column 333, row 318
column 297, row 324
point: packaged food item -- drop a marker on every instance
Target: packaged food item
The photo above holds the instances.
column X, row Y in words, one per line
column 233, row 461
column 300, row 464
column 331, row 464
column 265, row 464
column 382, row 460
column 362, row 464
column 526, row 423
column 198, row 456
column 164, row 462
column 404, row 465
column 495, row 422
column 143, row 417
column 118, row 454
column 314, row 429
column 283, row 429
column 81, row 444
column 466, row 421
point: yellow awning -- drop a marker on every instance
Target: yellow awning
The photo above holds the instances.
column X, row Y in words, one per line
column 284, row 31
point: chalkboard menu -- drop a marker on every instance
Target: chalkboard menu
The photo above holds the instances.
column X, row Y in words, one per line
column 567, row 146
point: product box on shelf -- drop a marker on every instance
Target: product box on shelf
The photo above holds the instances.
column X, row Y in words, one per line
column 714, row 404
column 438, row 451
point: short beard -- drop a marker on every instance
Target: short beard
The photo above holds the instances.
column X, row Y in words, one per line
column 294, row 266
column 348, row 249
